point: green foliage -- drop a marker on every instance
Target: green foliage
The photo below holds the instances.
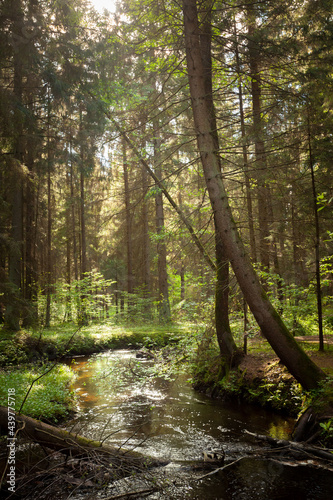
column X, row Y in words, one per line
column 327, row 430
column 299, row 304
column 50, row 397
column 285, row 396
column 232, row 384
column 12, row 353
column 321, row 398
column 92, row 294
column 53, row 343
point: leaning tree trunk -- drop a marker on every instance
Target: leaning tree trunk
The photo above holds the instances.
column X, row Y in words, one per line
column 272, row 326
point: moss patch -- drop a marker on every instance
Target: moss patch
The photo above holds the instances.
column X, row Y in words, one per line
column 53, row 343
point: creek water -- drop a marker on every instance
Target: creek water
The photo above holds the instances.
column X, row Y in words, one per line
column 119, row 402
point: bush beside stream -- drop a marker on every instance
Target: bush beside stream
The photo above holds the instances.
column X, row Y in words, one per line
column 260, row 379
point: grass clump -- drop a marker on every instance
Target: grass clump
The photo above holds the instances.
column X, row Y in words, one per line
column 50, row 397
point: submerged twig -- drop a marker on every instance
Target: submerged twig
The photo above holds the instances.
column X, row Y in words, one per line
column 133, row 493
column 219, row 469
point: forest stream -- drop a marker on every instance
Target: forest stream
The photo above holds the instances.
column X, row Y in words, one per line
column 167, row 419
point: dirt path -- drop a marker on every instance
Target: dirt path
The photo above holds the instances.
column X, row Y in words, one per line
column 260, row 365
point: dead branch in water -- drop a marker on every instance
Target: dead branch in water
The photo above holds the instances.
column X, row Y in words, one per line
column 72, row 444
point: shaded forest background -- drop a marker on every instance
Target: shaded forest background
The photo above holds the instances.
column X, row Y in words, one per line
column 104, row 210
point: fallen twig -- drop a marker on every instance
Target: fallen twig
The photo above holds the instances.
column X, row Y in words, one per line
column 132, row 493
column 219, row 469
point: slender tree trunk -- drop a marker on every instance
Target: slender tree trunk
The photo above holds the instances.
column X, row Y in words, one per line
column 30, row 281
column 146, row 243
column 73, row 218
column 300, row 273
column 182, row 263
column 272, row 326
column 12, row 316
column 317, row 244
column 129, row 229
column 260, row 153
column 163, row 285
column 49, row 224
column 84, row 267
column 182, row 282
column 68, row 312
column 245, row 157
column 83, row 319
column 225, row 339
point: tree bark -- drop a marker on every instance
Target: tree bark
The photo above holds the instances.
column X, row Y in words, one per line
column 83, row 316
column 68, row 311
column 260, row 153
column 145, row 232
column 49, row 223
column 245, row 157
column 163, row 285
column 30, row 271
column 12, row 316
column 317, row 244
column 129, row 246
column 227, row 345
column 272, row 326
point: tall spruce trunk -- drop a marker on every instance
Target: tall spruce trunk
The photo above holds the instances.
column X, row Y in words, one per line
column 260, row 152
column 129, row 230
column 49, row 225
column 12, row 315
column 227, row 345
column 271, row 324
column 68, row 311
column 146, row 243
column 163, row 285
column 30, row 292
column 249, row 203
column 317, row 243
column 83, row 316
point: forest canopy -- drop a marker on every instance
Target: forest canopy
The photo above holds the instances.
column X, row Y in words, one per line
column 104, row 206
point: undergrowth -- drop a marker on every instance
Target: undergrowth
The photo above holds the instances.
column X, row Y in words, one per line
column 50, row 397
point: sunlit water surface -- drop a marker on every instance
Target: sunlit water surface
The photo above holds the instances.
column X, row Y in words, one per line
column 167, row 419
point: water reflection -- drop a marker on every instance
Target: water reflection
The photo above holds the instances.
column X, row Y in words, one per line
column 167, row 419
column 179, row 422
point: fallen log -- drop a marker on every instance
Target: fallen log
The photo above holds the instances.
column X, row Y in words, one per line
column 72, row 444
column 294, row 448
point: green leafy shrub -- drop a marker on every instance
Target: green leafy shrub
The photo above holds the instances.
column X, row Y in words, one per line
column 13, row 354
column 50, row 397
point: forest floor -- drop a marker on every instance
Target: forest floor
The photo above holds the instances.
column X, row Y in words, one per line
column 262, row 364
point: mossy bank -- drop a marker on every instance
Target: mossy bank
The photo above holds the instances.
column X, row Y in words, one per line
column 34, row 361
column 262, row 380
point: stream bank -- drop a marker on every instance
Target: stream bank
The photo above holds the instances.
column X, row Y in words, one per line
column 260, row 378
column 121, row 404
column 167, row 418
